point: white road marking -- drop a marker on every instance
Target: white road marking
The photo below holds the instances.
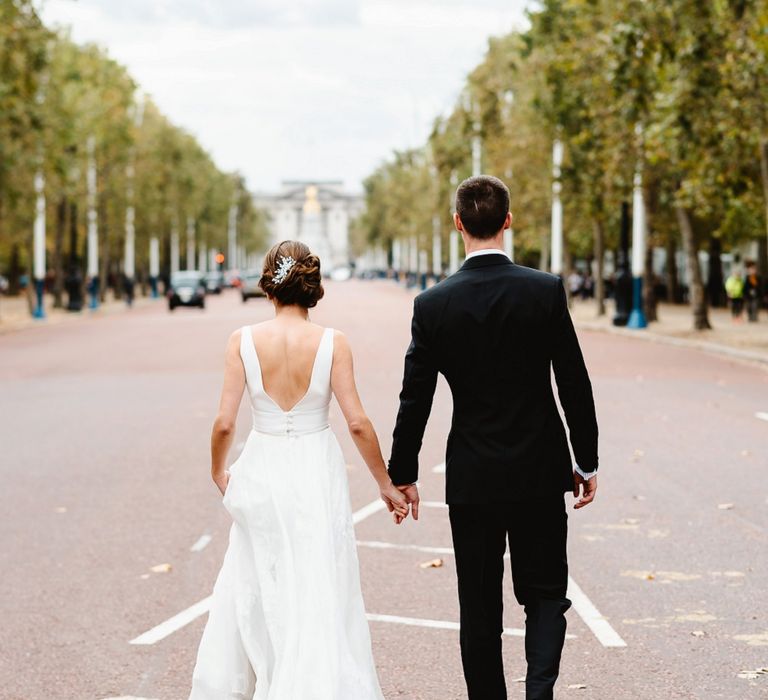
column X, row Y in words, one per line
column 173, row 624
column 201, row 544
column 762, row 415
column 433, row 624
column 374, row 544
column 433, row 504
column 367, row 511
column 601, row 628
column 439, row 468
column 128, row 697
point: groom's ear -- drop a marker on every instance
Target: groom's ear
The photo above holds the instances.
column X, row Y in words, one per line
column 457, row 222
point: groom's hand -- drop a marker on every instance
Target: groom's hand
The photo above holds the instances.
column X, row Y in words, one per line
column 584, row 487
column 411, row 493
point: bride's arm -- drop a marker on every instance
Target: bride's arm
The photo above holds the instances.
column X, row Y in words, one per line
column 224, row 426
column 360, row 427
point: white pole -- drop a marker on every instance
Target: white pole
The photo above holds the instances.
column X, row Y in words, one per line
column 413, row 250
column 509, row 243
column 203, row 257
column 174, row 250
column 93, row 226
column 453, row 252
column 154, row 257
column 39, row 227
column 396, row 255
column 232, row 238
column 477, row 152
column 638, row 227
column 190, row 261
column 437, row 248
column 557, row 210
column 129, row 255
column 212, row 259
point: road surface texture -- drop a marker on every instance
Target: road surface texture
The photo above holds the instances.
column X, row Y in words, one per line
column 111, row 527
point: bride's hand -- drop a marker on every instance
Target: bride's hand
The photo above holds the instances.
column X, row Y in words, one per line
column 222, row 481
column 395, row 500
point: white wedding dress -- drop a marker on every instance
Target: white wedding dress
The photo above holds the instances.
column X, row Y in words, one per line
column 287, row 620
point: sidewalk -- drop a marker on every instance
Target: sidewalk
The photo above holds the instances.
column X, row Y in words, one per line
column 747, row 341
column 14, row 312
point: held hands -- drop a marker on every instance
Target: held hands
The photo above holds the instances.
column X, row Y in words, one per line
column 411, row 494
column 395, row 500
column 587, row 488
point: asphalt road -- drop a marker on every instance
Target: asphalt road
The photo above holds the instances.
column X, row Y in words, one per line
column 104, row 429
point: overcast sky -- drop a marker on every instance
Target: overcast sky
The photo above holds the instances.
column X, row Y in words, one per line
column 289, row 89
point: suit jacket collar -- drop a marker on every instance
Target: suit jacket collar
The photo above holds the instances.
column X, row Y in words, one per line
column 486, row 261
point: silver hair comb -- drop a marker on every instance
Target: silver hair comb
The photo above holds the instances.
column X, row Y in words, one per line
column 283, row 268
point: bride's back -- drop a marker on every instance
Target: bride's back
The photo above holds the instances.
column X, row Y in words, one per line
column 286, row 351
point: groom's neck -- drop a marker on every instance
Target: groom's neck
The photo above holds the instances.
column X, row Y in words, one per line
column 472, row 245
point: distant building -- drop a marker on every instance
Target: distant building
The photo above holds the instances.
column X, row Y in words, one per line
column 316, row 212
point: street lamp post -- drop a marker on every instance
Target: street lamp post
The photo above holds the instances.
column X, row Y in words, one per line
column 174, row 248
column 637, row 318
column 129, row 255
column 556, row 247
column 190, row 262
column 154, row 264
column 39, row 244
column 453, row 241
column 232, row 237
column 93, row 226
column 437, row 249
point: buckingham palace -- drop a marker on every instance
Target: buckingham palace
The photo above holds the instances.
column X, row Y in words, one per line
column 316, row 212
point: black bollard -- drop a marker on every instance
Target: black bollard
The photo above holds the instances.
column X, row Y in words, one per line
column 623, row 289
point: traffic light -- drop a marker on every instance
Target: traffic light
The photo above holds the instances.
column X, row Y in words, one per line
column 219, row 258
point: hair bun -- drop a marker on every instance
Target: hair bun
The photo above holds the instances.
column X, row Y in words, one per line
column 300, row 283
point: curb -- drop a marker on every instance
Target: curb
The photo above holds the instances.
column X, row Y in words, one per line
column 703, row 345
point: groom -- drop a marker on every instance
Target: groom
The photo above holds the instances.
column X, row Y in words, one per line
column 493, row 330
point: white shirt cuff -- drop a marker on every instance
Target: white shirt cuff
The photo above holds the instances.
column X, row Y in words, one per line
column 584, row 475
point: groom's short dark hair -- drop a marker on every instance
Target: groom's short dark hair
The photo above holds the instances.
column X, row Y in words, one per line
column 482, row 203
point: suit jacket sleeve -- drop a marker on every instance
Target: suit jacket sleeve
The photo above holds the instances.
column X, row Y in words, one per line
column 573, row 385
column 419, row 380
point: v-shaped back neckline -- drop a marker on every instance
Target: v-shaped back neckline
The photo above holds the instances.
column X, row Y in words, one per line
column 260, row 374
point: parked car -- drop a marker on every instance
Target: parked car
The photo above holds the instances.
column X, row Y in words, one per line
column 249, row 286
column 214, row 282
column 187, row 288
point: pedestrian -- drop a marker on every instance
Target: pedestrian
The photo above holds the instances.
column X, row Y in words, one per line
column 734, row 289
column 575, row 282
column 588, row 287
column 752, row 291
column 495, row 330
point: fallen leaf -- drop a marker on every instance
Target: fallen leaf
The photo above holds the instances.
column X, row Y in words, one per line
column 519, row 680
column 638, row 497
column 161, row 568
column 577, row 686
column 725, row 506
column 698, row 633
column 432, row 564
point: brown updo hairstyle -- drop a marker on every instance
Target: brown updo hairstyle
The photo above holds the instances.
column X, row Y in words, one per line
column 303, row 285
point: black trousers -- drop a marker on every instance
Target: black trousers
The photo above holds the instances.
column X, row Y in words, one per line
column 537, row 533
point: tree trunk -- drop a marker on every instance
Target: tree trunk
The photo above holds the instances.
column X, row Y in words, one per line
column 715, row 280
column 599, row 254
column 62, row 211
column 696, row 295
column 649, row 287
column 673, row 286
column 764, row 179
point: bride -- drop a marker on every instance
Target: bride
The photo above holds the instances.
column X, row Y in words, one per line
column 287, row 620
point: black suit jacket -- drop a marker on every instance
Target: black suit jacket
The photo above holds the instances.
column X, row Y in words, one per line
column 494, row 329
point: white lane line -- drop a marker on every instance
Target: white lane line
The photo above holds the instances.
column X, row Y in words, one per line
column 433, row 504
column 128, row 697
column 762, row 415
column 367, row 511
column 182, row 619
column 201, row 544
column 601, row 628
column 173, row 624
column 375, row 544
column 439, row 624
column 432, row 624
column 439, row 468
